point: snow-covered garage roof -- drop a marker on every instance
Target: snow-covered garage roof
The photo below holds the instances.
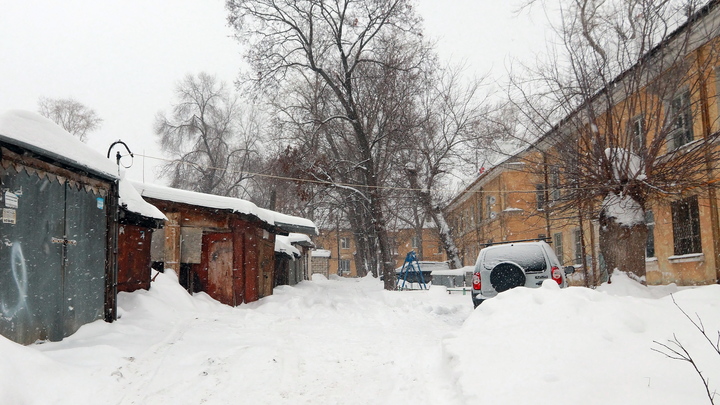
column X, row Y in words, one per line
column 40, row 135
column 283, row 245
column 320, row 253
column 132, row 201
column 300, row 239
column 285, row 222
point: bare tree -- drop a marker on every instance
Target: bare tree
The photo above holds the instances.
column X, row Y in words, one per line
column 676, row 350
column 73, row 116
column 347, row 51
column 210, row 137
column 614, row 106
column 452, row 125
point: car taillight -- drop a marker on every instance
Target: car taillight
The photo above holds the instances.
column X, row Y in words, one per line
column 477, row 284
column 557, row 275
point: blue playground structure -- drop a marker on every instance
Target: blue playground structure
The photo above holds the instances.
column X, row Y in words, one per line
column 410, row 273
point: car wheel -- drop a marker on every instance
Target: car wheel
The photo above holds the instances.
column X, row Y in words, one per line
column 506, row 275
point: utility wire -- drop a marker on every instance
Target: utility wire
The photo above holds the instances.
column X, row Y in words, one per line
column 335, row 183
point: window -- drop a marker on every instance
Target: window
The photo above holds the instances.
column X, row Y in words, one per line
column 490, row 203
column 558, row 242
column 344, row 243
column 637, row 133
column 540, row 196
column 415, row 242
column 393, row 246
column 578, row 246
column 343, row 266
column 529, row 257
column 686, row 226
column 681, row 131
column 650, row 245
column 554, row 183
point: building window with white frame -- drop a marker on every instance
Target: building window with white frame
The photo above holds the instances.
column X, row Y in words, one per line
column 540, row 196
column 344, row 242
column 681, row 131
column 392, row 241
column 415, row 242
column 343, row 266
column 558, row 245
column 637, row 133
column 554, row 183
column 650, row 244
column 490, row 204
column 686, row 226
column 578, row 246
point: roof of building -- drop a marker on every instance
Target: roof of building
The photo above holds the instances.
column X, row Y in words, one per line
column 300, row 239
column 131, row 200
column 667, row 41
column 320, row 253
column 285, row 222
column 33, row 132
column 283, row 245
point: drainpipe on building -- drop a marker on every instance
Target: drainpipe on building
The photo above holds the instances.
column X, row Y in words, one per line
column 583, row 256
column 546, row 191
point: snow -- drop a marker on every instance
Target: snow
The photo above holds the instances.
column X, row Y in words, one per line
column 299, row 238
column 347, row 341
column 283, row 245
column 39, row 134
column 454, row 272
column 626, row 164
column 131, row 199
column 624, row 209
column 320, row 253
column 220, row 202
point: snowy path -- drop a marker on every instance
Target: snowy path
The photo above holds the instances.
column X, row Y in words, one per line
column 346, row 341
column 323, row 342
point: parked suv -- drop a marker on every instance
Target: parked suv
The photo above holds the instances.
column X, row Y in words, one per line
column 502, row 267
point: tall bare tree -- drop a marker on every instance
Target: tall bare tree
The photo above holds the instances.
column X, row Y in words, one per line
column 453, row 122
column 615, row 106
column 211, row 139
column 347, row 50
column 73, row 116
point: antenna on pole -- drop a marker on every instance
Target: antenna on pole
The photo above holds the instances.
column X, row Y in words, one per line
column 118, row 156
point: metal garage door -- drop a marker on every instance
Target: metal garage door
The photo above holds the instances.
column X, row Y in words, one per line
column 52, row 256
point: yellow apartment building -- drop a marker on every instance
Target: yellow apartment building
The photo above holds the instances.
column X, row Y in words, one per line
column 513, row 201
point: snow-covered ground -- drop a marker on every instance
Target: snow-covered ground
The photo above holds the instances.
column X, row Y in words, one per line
column 346, row 341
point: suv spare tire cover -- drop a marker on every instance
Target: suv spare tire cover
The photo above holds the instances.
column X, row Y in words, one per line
column 506, row 275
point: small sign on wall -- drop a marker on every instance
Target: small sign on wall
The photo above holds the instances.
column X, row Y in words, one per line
column 9, row 216
column 11, row 200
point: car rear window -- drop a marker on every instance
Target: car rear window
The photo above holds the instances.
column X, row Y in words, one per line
column 530, row 257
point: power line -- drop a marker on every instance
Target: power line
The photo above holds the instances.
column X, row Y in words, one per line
column 391, row 188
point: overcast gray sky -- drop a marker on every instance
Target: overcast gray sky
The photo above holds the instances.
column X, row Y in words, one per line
column 124, row 58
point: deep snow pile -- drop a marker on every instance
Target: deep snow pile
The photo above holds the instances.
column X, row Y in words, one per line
column 582, row 346
column 346, row 341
